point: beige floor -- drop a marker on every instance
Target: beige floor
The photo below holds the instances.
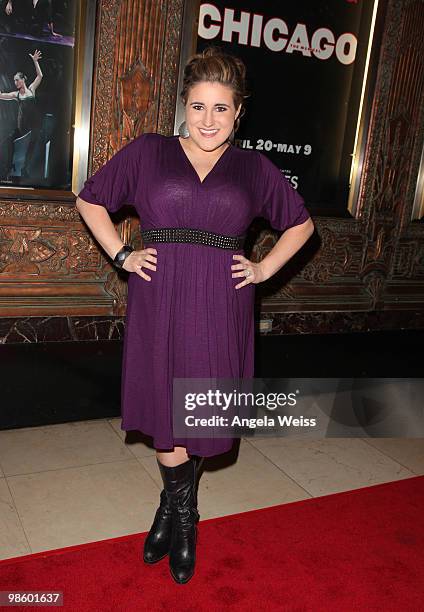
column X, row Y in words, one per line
column 80, row 482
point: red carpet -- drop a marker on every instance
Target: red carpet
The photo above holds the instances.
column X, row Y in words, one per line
column 359, row 550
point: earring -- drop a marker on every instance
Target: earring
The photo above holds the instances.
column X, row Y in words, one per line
column 183, row 130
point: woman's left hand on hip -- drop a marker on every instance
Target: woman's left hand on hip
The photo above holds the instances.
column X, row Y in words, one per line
column 251, row 271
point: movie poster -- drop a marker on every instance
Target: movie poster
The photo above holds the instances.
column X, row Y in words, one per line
column 305, row 66
column 37, row 48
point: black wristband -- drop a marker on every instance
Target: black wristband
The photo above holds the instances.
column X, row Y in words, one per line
column 121, row 255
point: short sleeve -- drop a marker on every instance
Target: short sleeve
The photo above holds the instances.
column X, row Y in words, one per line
column 115, row 183
column 279, row 202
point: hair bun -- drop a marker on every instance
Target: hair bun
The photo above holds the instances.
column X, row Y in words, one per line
column 214, row 65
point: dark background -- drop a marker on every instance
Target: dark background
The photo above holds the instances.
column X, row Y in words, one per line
column 59, row 382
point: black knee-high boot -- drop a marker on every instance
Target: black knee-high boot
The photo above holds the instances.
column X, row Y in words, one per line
column 181, row 490
column 158, row 541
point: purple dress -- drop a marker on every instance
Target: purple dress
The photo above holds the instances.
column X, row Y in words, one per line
column 188, row 321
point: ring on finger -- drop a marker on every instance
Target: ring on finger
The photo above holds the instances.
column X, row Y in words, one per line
column 247, row 272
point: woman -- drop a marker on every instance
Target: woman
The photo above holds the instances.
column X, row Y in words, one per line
column 28, row 117
column 193, row 317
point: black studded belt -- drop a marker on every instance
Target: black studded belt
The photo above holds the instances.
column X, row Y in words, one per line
column 196, row 236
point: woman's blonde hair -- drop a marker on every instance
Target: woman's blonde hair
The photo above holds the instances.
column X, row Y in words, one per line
column 216, row 66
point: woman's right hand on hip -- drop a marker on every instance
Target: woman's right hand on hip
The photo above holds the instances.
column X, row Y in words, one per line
column 145, row 258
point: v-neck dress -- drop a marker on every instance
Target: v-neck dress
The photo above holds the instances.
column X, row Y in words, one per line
column 189, row 321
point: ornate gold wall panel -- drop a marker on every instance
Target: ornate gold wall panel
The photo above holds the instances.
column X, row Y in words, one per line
column 51, row 265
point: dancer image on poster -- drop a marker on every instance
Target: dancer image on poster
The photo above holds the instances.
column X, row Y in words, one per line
column 30, row 16
column 28, row 116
